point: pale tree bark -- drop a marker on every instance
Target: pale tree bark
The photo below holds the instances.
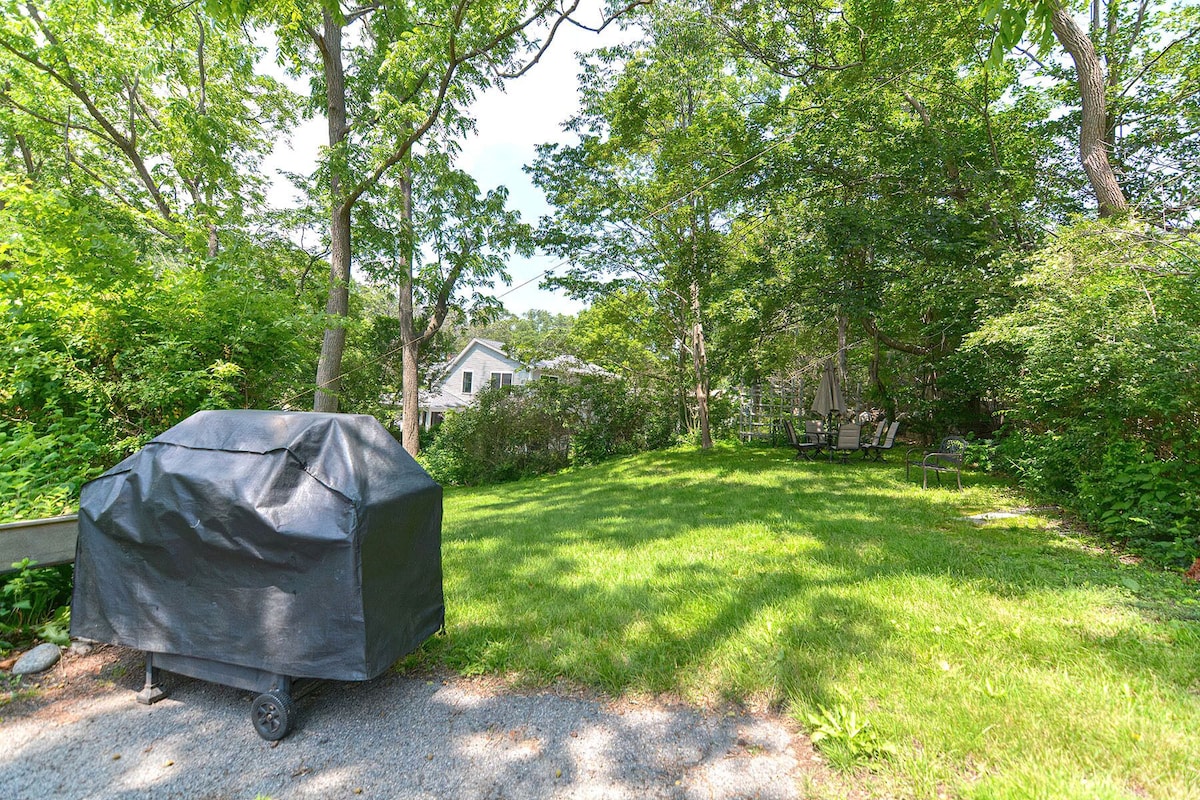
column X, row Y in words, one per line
column 411, row 341
column 699, row 365
column 1093, row 126
column 410, row 347
column 329, row 378
column 695, row 309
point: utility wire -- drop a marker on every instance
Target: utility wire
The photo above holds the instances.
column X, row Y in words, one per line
column 391, row 352
column 679, row 199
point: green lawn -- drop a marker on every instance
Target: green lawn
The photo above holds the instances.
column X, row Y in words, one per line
column 1014, row 660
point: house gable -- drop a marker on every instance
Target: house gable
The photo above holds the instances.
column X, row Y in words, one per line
column 481, row 358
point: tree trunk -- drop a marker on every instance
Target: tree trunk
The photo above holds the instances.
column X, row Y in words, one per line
column 843, row 361
column 333, row 346
column 1093, row 112
column 410, row 378
column 700, row 367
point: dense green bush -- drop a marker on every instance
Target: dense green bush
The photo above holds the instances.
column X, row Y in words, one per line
column 506, row 434
column 1103, row 393
column 108, row 337
column 544, row 426
column 33, row 604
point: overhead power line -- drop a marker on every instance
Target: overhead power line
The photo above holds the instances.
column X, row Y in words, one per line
column 671, row 203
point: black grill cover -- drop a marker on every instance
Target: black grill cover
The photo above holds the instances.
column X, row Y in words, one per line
column 302, row 544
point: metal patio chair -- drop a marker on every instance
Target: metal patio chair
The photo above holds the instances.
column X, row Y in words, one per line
column 805, row 448
column 849, row 440
column 948, row 457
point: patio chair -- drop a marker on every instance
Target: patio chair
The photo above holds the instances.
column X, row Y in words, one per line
column 805, row 448
column 867, row 446
column 876, row 450
column 947, row 458
column 814, row 431
column 849, row 439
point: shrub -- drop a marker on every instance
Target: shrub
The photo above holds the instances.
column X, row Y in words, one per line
column 544, row 426
column 1103, row 388
column 33, row 603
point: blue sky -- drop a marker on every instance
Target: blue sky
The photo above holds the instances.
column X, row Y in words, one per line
column 510, row 125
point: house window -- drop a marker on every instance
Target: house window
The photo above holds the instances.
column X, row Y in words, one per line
column 501, row 379
column 467, row 378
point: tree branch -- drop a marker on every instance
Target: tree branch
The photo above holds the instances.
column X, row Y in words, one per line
column 358, row 13
column 904, row 347
column 1134, row 81
column 57, row 123
column 31, row 169
column 68, row 81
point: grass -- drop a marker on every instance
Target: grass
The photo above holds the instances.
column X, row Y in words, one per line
column 1013, row 660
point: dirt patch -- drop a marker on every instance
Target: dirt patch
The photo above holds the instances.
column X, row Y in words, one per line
column 75, row 676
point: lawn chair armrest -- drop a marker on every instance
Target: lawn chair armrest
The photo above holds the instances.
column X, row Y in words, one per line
column 942, row 460
column 909, row 460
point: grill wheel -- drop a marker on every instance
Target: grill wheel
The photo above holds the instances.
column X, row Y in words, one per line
column 273, row 713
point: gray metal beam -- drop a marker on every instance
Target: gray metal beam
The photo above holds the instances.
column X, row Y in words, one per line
column 46, row 541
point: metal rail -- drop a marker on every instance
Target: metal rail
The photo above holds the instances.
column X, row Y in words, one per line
column 47, row 541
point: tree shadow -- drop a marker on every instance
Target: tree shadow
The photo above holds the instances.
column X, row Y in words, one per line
column 818, row 534
column 395, row 736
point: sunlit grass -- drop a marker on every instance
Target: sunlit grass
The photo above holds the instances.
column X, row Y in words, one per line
column 1003, row 661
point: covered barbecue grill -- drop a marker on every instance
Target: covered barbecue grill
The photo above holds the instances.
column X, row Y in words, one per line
column 252, row 548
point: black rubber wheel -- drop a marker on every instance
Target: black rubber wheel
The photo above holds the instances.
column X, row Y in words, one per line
column 273, row 714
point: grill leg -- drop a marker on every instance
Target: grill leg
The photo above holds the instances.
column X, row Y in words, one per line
column 152, row 692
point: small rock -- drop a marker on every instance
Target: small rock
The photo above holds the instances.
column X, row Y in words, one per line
column 988, row 516
column 81, row 648
column 39, row 659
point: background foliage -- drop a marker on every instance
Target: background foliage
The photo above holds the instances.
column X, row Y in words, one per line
column 540, row 427
column 1101, row 396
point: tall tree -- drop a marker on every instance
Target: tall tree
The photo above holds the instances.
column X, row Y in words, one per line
column 163, row 113
column 1052, row 18
column 1134, row 79
column 386, row 75
column 900, row 173
column 440, row 241
column 644, row 198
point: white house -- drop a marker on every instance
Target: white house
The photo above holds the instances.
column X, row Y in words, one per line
column 483, row 363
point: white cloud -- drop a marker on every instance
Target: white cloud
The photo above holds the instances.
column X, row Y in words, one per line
column 510, row 123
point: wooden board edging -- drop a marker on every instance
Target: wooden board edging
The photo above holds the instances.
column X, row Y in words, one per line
column 48, row 541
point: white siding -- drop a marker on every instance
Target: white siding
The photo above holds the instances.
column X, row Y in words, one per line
column 481, row 361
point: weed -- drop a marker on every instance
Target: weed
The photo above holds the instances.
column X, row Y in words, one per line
column 845, row 737
column 32, row 604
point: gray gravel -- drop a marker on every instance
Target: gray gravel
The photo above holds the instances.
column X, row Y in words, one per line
column 395, row 737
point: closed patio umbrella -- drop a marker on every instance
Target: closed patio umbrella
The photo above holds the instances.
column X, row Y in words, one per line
column 829, row 393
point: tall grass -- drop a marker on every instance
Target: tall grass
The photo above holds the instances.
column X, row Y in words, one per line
column 1012, row 660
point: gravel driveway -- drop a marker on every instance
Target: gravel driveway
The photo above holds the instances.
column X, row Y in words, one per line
column 83, row 736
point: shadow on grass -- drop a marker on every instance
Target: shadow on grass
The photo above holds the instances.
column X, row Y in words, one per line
column 737, row 574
